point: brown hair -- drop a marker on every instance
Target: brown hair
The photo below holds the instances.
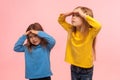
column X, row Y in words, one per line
column 37, row 27
column 85, row 25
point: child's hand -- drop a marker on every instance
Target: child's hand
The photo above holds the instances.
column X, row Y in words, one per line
column 68, row 14
column 82, row 14
column 27, row 33
column 34, row 31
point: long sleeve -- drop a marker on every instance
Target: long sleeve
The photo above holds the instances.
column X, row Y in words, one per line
column 63, row 23
column 19, row 47
column 50, row 39
column 96, row 26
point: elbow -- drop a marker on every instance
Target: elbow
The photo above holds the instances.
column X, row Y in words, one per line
column 54, row 42
column 99, row 27
column 61, row 18
column 15, row 49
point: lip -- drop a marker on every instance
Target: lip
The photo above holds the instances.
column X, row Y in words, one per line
column 73, row 21
column 34, row 41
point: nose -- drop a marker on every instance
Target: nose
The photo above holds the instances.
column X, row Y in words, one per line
column 33, row 38
column 73, row 18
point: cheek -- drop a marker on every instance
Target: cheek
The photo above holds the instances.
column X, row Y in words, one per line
column 79, row 21
column 30, row 40
column 38, row 39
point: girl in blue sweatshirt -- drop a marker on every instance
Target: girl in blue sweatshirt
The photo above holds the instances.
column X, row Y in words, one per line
column 37, row 52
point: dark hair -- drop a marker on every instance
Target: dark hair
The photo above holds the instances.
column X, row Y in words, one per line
column 37, row 27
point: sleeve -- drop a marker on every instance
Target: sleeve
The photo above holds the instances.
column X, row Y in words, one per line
column 63, row 23
column 51, row 41
column 96, row 26
column 19, row 47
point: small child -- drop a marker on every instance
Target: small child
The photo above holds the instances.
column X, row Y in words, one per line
column 80, row 48
column 37, row 52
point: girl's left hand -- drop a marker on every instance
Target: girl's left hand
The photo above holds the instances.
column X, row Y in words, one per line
column 82, row 14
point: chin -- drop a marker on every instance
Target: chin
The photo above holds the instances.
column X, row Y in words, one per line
column 35, row 44
column 73, row 24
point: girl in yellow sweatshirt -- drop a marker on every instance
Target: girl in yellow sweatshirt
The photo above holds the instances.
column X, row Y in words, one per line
column 80, row 48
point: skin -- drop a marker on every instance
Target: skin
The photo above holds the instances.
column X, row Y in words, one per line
column 34, row 39
column 77, row 15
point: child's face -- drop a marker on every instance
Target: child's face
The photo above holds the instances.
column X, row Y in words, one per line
column 76, row 19
column 34, row 39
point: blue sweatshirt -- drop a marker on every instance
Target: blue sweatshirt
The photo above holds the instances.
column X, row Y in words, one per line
column 37, row 61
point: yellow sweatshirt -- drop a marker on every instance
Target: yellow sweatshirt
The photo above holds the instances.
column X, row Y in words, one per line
column 78, row 51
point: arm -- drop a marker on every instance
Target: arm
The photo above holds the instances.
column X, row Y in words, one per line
column 96, row 26
column 50, row 39
column 91, row 21
column 19, row 47
column 62, row 21
column 94, row 23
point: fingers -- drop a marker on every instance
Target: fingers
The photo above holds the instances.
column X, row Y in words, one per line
column 70, row 13
column 82, row 13
column 34, row 31
column 67, row 14
column 31, row 31
column 27, row 33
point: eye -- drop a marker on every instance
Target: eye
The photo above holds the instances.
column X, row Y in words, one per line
column 35, row 35
column 32, row 36
column 73, row 14
column 76, row 14
column 29, row 37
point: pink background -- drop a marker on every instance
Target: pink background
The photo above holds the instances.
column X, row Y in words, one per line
column 16, row 15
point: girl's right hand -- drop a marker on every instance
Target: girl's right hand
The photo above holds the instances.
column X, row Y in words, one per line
column 34, row 31
column 27, row 33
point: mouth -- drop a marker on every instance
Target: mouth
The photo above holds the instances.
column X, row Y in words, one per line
column 34, row 42
column 73, row 21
